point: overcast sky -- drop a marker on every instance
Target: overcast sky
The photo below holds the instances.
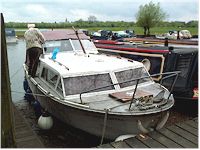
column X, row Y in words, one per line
column 103, row 10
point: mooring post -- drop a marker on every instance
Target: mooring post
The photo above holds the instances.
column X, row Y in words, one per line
column 7, row 130
column 178, row 35
column 166, row 42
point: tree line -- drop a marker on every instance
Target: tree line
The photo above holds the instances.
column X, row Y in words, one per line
column 88, row 24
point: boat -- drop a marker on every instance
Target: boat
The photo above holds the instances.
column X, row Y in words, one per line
column 11, row 36
column 158, row 59
column 174, row 35
column 104, row 95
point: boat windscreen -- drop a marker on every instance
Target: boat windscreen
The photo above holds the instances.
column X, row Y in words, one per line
column 79, row 84
column 63, row 45
column 131, row 74
column 87, row 44
column 69, row 46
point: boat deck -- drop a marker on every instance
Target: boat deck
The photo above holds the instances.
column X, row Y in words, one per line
column 180, row 135
column 24, row 135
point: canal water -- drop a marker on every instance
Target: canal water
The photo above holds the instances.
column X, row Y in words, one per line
column 16, row 58
column 61, row 135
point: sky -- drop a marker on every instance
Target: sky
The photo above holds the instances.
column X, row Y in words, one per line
column 103, row 10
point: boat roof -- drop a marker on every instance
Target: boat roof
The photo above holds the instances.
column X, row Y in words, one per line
column 78, row 64
column 158, row 48
column 63, row 34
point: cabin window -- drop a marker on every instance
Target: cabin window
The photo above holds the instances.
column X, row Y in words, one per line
column 59, row 88
column 131, row 74
column 49, row 76
column 77, row 85
column 77, row 45
column 66, row 46
column 88, row 45
column 63, row 45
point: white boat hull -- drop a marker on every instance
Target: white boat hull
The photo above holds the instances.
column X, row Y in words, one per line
column 11, row 40
column 93, row 122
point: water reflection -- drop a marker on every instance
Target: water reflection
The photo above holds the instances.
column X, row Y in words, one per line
column 16, row 58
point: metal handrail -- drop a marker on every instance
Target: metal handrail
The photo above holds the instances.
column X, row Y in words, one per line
column 133, row 97
column 165, row 73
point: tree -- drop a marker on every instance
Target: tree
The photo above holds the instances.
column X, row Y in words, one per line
column 149, row 16
column 192, row 24
column 92, row 19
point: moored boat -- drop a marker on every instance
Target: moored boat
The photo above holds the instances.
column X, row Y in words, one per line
column 158, row 59
column 11, row 37
column 103, row 95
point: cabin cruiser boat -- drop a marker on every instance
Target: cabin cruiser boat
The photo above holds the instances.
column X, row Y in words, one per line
column 11, row 37
column 104, row 95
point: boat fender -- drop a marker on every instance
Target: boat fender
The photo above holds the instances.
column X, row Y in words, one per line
column 142, row 128
column 37, row 108
column 123, row 137
column 28, row 96
column 25, row 85
column 146, row 62
column 45, row 121
column 163, row 121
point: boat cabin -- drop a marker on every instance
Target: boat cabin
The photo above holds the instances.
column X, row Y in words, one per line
column 73, row 72
column 76, row 83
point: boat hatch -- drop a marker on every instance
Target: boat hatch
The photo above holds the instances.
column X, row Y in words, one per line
column 70, row 45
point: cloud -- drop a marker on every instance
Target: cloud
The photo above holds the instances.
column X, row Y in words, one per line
column 79, row 14
column 104, row 10
column 76, row 14
column 36, row 9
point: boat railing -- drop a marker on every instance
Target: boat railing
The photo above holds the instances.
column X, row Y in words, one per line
column 169, row 75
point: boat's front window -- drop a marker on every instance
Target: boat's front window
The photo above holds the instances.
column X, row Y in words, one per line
column 87, row 44
column 63, row 45
column 131, row 74
column 69, row 45
column 79, row 84
column 77, row 45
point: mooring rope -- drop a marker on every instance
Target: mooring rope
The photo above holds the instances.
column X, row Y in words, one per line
column 29, row 93
column 104, row 126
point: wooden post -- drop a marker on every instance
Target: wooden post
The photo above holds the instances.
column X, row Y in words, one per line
column 7, row 137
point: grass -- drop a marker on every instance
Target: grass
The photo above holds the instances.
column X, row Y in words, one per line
column 138, row 30
column 20, row 33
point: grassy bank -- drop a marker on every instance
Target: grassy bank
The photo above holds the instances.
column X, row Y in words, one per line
column 138, row 30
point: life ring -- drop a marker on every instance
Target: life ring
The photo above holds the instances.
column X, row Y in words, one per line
column 146, row 62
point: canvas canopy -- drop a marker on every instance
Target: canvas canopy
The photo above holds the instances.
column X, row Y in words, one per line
column 63, row 34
